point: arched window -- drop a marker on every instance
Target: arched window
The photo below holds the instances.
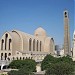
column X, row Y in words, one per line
column 65, row 14
column 26, row 57
column 31, row 57
column 20, row 58
column 9, row 54
column 51, row 45
column 37, row 44
column 2, row 44
column 34, row 45
column 30, row 40
column 17, row 58
column 9, row 44
column 5, row 56
column 8, row 59
column 6, row 40
column 1, row 56
column 40, row 45
column 23, row 58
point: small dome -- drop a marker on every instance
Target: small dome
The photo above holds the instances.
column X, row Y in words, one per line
column 40, row 32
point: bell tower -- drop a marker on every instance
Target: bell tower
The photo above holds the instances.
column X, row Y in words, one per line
column 67, row 49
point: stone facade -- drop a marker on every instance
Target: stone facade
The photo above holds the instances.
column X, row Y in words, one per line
column 16, row 45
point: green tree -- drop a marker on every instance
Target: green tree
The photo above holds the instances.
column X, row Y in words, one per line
column 26, row 67
column 47, row 61
column 20, row 72
column 13, row 72
column 62, row 68
column 67, row 59
column 28, row 64
column 25, row 71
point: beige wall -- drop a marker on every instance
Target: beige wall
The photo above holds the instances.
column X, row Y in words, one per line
column 20, row 42
column 7, row 51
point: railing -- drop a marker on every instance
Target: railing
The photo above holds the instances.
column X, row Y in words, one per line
column 4, row 62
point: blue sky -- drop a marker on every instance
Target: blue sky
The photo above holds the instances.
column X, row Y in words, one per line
column 28, row 15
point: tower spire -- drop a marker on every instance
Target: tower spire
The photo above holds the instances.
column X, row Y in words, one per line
column 67, row 49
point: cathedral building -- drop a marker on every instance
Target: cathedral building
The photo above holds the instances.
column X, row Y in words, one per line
column 18, row 45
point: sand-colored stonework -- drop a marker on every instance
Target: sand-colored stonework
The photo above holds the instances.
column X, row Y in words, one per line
column 16, row 45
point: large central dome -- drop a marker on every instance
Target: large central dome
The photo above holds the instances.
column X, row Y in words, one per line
column 40, row 32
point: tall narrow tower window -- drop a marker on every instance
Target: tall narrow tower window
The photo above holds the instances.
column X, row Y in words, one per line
column 30, row 40
column 37, row 44
column 2, row 44
column 40, row 45
column 65, row 14
column 6, row 40
column 9, row 44
column 34, row 45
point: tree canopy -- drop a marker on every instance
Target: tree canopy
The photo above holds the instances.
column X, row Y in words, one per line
column 27, row 64
column 48, row 60
column 60, row 69
column 20, row 72
column 25, row 67
column 58, row 66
